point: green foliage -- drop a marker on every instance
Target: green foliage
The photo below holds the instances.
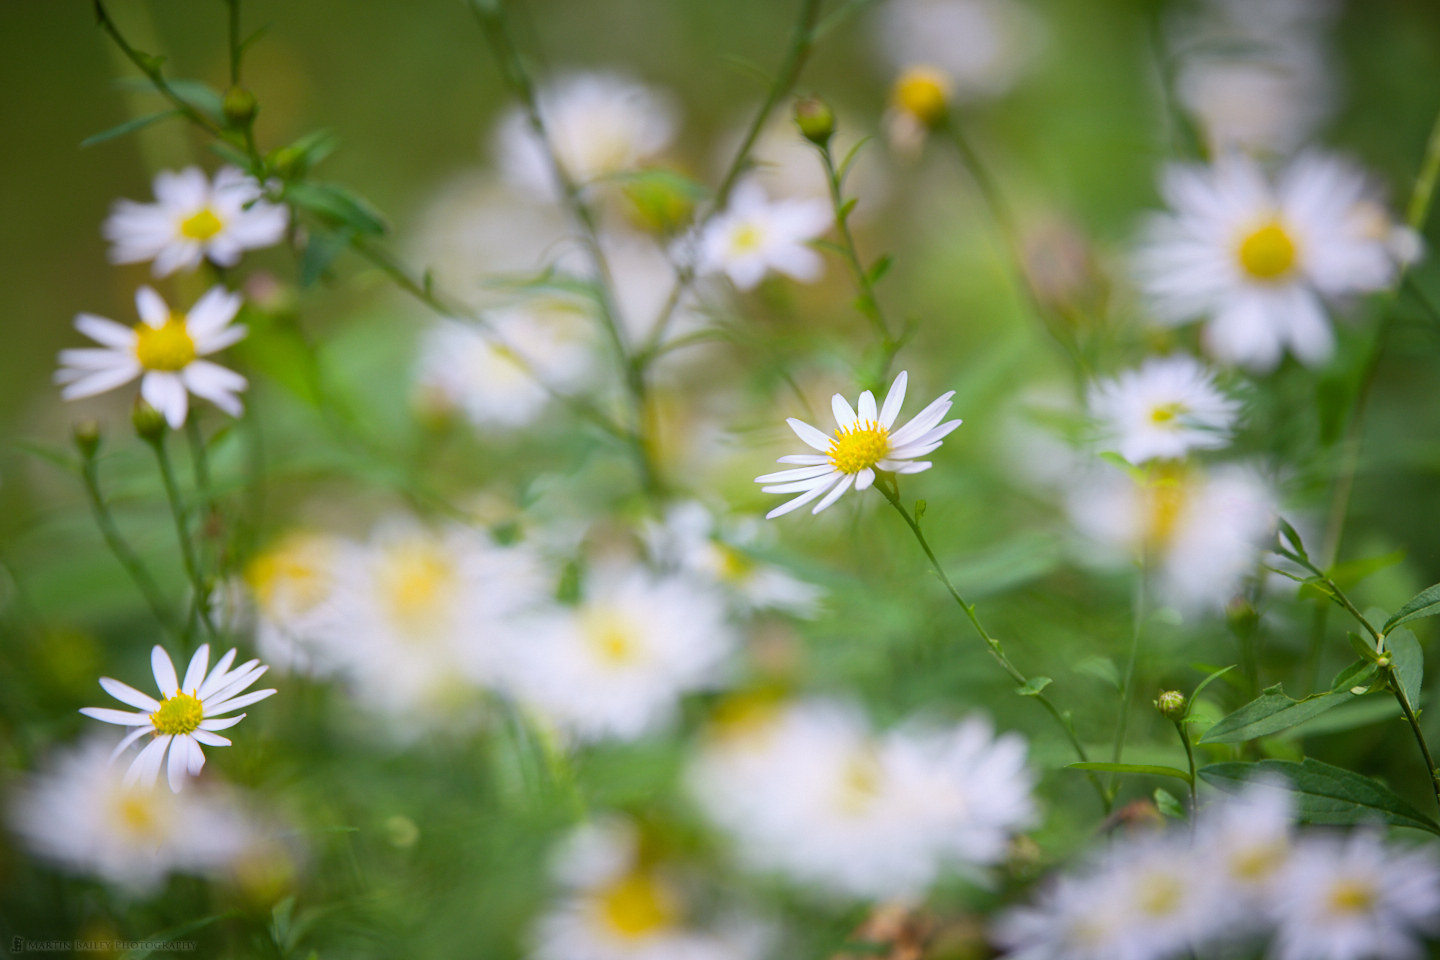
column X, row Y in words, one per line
column 1326, row 794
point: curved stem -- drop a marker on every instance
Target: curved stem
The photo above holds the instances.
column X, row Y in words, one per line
column 1127, row 688
column 129, row 559
column 1189, row 755
column 201, row 599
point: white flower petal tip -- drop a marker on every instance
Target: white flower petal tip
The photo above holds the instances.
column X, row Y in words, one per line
column 755, row 236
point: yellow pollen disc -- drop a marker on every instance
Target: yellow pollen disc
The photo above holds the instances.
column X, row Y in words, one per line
column 1165, row 496
column 1269, row 253
column 1352, row 896
column 859, row 783
column 612, row 636
column 637, row 905
column 862, row 444
column 742, row 714
column 179, row 714
column 731, row 564
column 202, row 226
column 921, row 92
column 136, row 812
column 294, row 572
column 167, row 348
column 1259, row 862
column 1168, row 414
column 747, row 238
column 417, row 581
column 1161, row 895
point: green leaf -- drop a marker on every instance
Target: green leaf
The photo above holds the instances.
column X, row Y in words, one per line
column 1362, row 647
column 129, row 126
column 1291, row 543
column 1271, row 713
column 1358, row 674
column 881, row 267
column 1166, row 803
column 1426, row 603
column 1033, row 686
column 854, row 152
column 1215, row 675
column 920, row 506
column 320, row 251
column 1099, row 668
column 335, row 203
column 1408, row 661
column 1327, row 794
column 846, row 208
column 1351, row 572
column 1362, row 712
column 1144, row 769
column 57, row 458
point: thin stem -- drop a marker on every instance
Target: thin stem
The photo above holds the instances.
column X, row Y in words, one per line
column 182, row 530
column 891, row 490
column 234, row 40
column 1127, row 687
column 129, row 559
column 1189, row 755
column 1414, row 721
column 199, row 460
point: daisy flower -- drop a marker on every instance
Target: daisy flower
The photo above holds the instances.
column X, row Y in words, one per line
column 292, row 585
column 194, row 219
column 164, row 350
column 862, row 444
column 1163, row 410
column 983, row 46
column 1247, row 841
column 1259, row 260
column 182, row 720
column 753, row 236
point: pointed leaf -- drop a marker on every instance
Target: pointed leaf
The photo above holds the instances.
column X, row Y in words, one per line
column 1408, row 661
column 1272, row 712
column 1426, row 603
column 1214, row 675
column 1166, row 803
column 1327, row 794
column 1348, row 574
column 1144, row 769
column 1358, row 674
column 1033, row 686
column 129, row 126
column 881, row 267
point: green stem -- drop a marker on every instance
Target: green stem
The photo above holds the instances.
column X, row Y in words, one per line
column 122, row 550
column 234, row 6
column 888, row 486
column 1127, row 687
column 1189, row 755
column 1414, row 721
column 199, row 460
column 201, row 599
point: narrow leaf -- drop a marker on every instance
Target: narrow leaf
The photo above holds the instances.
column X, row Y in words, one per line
column 844, row 169
column 881, row 267
column 1215, row 675
column 1272, row 712
column 336, row 204
column 1426, row 603
column 320, row 251
column 1362, row 647
column 129, row 126
column 1166, row 803
column 1409, row 662
column 1099, row 668
column 1358, row 674
column 1348, row 574
column 1145, row 769
column 1033, row 686
column 1327, row 794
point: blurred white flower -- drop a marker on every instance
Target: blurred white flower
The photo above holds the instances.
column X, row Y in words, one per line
column 187, row 716
column 165, row 350
column 616, row 664
column 752, row 236
column 807, row 790
column 461, row 368
column 1201, row 532
column 1258, row 261
column 81, row 815
column 1163, row 410
column 193, row 219
column 1353, row 898
column 982, row 46
column 598, row 124
column 1245, row 842
column 293, row 585
column 691, row 540
column 862, row 444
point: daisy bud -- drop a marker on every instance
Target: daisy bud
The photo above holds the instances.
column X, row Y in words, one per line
column 149, row 422
column 86, row 435
column 815, row 120
column 923, row 93
column 1171, row 704
column 289, row 162
column 660, row 204
column 239, row 107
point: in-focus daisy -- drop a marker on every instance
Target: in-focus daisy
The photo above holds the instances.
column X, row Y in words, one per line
column 753, row 236
column 1354, row 898
column 164, row 350
column 187, row 716
column 1163, row 410
column 1258, row 260
column 84, row 817
column 194, row 219
column 293, row 585
column 616, row 664
column 862, row 444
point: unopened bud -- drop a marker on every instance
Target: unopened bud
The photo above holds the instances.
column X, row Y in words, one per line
column 660, row 204
column 289, row 162
column 1171, row 704
column 240, row 107
column 924, row 93
column 86, row 435
column 149, row 423
column 815, row 119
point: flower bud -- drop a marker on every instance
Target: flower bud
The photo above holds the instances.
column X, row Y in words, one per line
column 86, row 435
column 923, row 93
column 289, row 162
column 149, row 423
column 240, row 107
column 815, row 119
column 1241, row 616
column 1171, row 704
column 660, row 204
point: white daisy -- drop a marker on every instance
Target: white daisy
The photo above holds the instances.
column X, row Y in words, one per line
column 83, row 816
column 164, row 349
column 983, row 46
column 598, row 124
column 861, row 445
column 1258, row 260
column 1348, row 899
column 1163, row 410
column 753, row 236
column 616, row 664
column 193, row 219
column 293, row 586
column 183, row 720
column 1246, row 841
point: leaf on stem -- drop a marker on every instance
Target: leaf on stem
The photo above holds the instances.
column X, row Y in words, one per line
column 1326, row 794
column 1166, row 803
column 130, row 126
column 1426, row 603
column 1214, row 675
column 1144, row 769
column 881, row 267
column 338, row 205
column 1408, row 663
column 1272, row 712
column 1033, row 686
column 843, row 170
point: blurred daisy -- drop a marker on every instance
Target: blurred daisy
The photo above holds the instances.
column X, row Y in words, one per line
column 691, row 540
column 598, row 124
column 293, row 586
column 616, row 664
column 1353, row 898
column 1245, row 842
column 85, row 818
column 164, row 350
column 1163, row 410
column 982, row 46
column 462, row 368
column 194, row 219
column 1258, row 260
column 861, row 445
column 1201, row 532
column 181, row 721
column 753, row 236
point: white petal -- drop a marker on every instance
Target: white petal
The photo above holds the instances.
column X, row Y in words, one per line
column 822, row 480
column 864, row 479
column 809, row 459
column 164, row 671
column 216, row 384
column 93, row 358
column 894, row 400
column 237, row 702
column 236, row 681
column 919, row 466
column 220, row 723
column 108, row 332
column 130, row 738
column 116, row 716
column 215, row 342
column 196, row 758
column 166, row 393
column 844, row 413
column 151, row 307
column 128, row 694
column 212, row 682
column 179, row 760
column 100, row 382
column 802, row 473
column 195, row 673
column 799, row 501
column 210, row 740
column 923, row 421
column 211, row 312
column 835, row 493
column 147, row 765
column 812, row 437
column 866, row 410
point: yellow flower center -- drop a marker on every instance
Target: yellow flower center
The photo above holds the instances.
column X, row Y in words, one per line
column 164, row 348
column 637, row 906
column 730, row 564
column 417, row 581
column 921, row 92
column 201, row 226
column 1161, row 895
column 747, row 238
column 136, row 813
column 1165, row 496
column 743, row 714
column 862, row 444
column 295, row 572
column 1352, row 896
column 1268, row 253
column 1257, row 863
column 1168, row 415
column 612, row 636
column 859, row 783
column 178, row 714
